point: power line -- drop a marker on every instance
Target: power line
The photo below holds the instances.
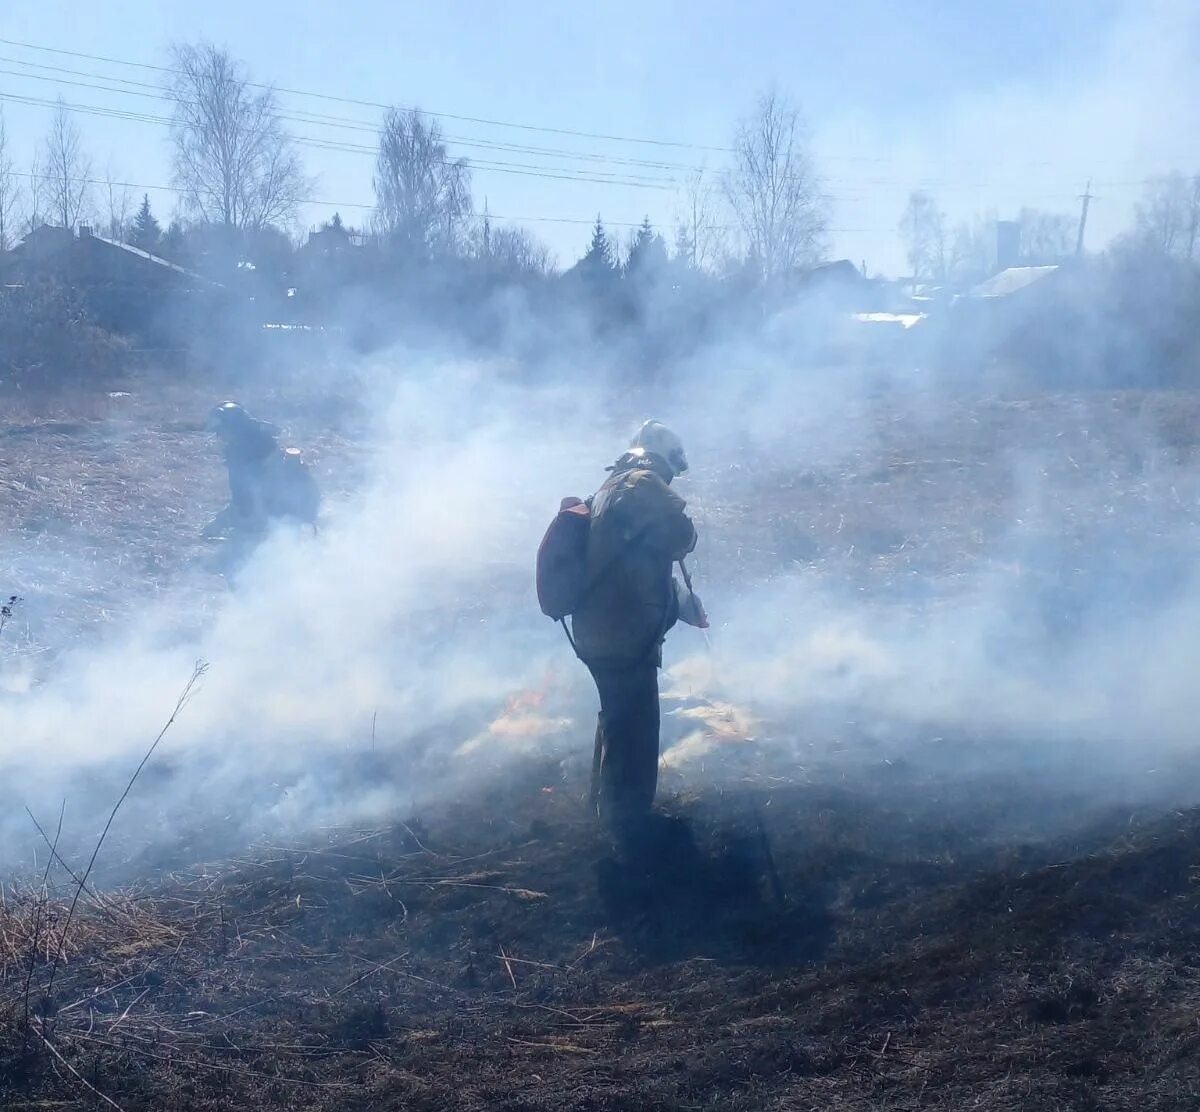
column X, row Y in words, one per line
column 163, row 188
column 378, row 104
column 85, row 109
column 322, row 120
column 326, row 120
column 351, row 123
column 638, row 181
column 552, row 173
column 664, row 182
column 558, row 173
column 533, row 170
column 368, row 206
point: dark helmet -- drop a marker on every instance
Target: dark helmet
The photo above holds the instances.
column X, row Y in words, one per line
column 226, row 416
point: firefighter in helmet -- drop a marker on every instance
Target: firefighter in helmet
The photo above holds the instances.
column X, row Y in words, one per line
column 266, row 482
column 639, row 529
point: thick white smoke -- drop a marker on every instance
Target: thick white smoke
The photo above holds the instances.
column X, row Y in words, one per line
column 400, row 653
column 411, row 610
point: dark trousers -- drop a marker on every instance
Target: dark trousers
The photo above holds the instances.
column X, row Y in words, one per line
column 246, row 481
column 626, row 739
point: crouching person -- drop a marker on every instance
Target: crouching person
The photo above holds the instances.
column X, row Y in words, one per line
column 247, row 447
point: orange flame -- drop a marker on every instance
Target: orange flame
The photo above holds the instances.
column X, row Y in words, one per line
column 524, row 701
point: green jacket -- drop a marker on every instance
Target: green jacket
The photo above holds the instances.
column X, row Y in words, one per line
column 638, row 530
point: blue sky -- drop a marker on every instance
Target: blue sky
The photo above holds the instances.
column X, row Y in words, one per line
column 986, row 105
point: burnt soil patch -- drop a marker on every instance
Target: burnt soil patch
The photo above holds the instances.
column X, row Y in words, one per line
column 778, row 947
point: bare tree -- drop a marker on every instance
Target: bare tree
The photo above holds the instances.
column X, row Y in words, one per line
column 67, row 170
column 35, row 195
column 923, row 229
column 234, row 162
column 10, row 193
column 518, row 251
column 971, row 255
column 774, row 189
column 1046, row 237
column 120, row 205
column 1168, row 217
column 422, row 195
column 699, row 236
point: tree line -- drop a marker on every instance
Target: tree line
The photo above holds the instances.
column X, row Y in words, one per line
column 237, row 171
column 241, row 186
column 1166, row 225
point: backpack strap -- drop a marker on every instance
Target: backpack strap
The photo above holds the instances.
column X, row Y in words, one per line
column 563, row 622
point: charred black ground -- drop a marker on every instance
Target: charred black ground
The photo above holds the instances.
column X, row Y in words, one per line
column 767, row 947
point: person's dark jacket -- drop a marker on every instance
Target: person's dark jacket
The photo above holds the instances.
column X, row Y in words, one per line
column 248, row 448
column 639, row 529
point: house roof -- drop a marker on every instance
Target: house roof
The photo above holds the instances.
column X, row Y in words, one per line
column 157, row 260
column 69, row 241
column 1012, row 280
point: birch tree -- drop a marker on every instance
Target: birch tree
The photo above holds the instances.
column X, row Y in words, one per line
column 233, row 161
column 66, row 169
column 775, row 191
column 10, row 194
column 422, row 194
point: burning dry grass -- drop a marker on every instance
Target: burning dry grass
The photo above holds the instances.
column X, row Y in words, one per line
column 523, row 726
column 718, row 724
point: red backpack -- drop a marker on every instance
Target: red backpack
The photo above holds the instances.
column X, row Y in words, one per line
column 562, row 560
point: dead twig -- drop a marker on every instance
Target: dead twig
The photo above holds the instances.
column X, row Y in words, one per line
column 38, row 918
column 562, row 1048
column 56, row 856
column 129, row 1007
column 216, row 1067
column 184, row 697
column 81, row 1079
column 535, row 964
column 508, row 965
column 451, row 882
column 590, row 949
column 417, row 841
column 371, row 972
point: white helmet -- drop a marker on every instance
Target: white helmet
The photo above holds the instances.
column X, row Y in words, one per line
column 656, row 438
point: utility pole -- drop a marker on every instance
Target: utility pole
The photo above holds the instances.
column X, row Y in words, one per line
column 1087, row 198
